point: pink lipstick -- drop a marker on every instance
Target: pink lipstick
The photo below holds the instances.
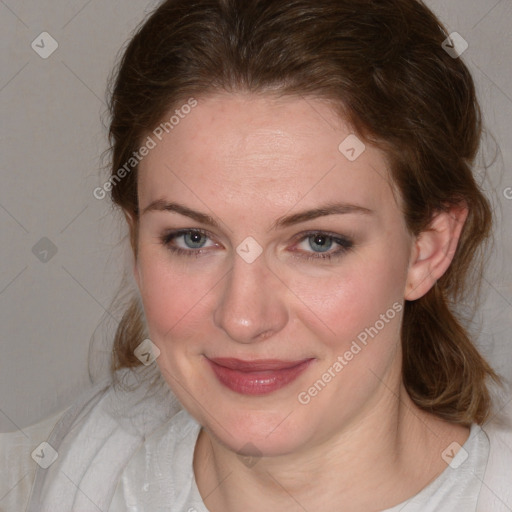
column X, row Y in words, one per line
column 257, row 377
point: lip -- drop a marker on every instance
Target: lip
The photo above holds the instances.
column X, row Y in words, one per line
column 258, row 377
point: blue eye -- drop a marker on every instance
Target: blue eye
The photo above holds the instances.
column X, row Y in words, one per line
column 193, row 239
column 321, row 243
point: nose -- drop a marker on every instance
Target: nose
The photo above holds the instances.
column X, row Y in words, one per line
column 252, row 303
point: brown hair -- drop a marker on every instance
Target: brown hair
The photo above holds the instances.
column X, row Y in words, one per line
column 382, row 65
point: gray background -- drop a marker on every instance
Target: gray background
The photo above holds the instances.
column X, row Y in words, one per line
column 53, row 136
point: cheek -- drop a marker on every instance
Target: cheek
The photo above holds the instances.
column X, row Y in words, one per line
column 355, row 312
column 173, row 298
column 354, row 297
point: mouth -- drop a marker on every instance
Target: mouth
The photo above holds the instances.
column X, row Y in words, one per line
column 258, row 377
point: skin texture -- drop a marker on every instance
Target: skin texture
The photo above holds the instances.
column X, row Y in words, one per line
column 247, row 161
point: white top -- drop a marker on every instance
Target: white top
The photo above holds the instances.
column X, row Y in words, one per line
column 161, row 473
column 132, row 450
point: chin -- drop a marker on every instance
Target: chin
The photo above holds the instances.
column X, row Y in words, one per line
column 257, row 433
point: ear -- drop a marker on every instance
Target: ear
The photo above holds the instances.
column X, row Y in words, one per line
column 433, row 251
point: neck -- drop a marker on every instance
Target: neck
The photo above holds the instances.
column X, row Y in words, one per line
column 370, row 465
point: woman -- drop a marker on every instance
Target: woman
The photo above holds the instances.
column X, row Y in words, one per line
column 296, row 179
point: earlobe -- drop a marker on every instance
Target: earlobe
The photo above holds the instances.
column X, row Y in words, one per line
column 433, row 251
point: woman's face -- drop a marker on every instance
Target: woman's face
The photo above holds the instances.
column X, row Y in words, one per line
column 272, row 264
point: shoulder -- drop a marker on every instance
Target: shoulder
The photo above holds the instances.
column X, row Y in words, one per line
column 496, row 493
column 20, row 452
column 161, row 470
column 96, row 438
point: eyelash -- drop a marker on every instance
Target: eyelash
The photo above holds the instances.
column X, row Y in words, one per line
column 344, row 243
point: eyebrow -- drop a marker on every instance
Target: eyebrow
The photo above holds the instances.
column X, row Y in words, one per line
column 328, row 209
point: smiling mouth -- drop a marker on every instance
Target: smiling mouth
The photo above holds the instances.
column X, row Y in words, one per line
column 258, row 377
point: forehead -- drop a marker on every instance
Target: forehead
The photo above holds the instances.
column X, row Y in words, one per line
column 278, row 151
